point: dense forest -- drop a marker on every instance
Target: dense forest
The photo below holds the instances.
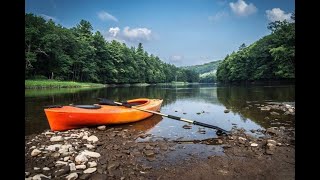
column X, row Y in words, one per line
column 207, row 71
column 78, row 54
column 270, row 58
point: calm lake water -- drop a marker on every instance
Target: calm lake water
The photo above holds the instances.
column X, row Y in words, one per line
column 204, row 103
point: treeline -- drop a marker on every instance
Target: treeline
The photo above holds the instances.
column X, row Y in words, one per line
column 207, row 71
column 270, row 58
column 78, row 54
column 204, row 68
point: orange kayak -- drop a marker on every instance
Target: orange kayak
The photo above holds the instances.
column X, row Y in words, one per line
column 71, row 117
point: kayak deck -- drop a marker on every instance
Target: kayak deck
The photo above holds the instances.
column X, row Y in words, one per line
column 70, row 117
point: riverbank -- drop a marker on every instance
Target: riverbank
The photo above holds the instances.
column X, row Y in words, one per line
column 51, row 84
column 126, row 153
column 38, row 84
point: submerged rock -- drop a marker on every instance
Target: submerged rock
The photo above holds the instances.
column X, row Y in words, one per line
column 187, row 126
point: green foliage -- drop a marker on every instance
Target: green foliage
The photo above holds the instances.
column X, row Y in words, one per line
column 76, row 54
column 207, row 71
column 204, row 68
column 35, row 84
column 208, row 77
column 270, row 58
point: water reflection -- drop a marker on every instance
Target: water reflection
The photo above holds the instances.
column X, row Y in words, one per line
column 244, row 100
column 203, row 103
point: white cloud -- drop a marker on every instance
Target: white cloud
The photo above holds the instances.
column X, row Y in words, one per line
column 241, row 8
column 276, row 14
column 129, row 35
column 47, row 18
column 104, row 16
column 218, row 16
column 114, row 31
column 140, row 34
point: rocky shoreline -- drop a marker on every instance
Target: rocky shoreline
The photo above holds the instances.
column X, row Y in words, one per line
column 114, row 153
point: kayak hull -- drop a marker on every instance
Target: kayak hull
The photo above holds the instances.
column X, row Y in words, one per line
column 70, row 117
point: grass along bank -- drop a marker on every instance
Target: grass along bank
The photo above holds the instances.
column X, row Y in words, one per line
column 37, row 84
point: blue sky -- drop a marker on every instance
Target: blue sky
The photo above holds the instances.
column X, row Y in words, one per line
column 180, row 32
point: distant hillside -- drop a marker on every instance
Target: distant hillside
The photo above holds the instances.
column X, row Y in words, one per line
column 207, row 71
column 204, row 68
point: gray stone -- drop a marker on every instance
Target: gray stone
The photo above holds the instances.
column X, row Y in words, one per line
column 274, row 113
column 91, row 154
column 56, row 138
column 54, row 147
column 55, row 154
column 93, row 138
column 81, row 158
column 73, row 167
column 273, row 142
column 226, row 111
column 35, row 152
column 46, row 169
column 101, row 128
column 72, row 176
column 39, row 177
column 89, row 146
column 242, row 140
column 89, row 170
column 61, row 163
column 266, row 108
column 253, row 144
column 48, row 133
column 82, row 166
column 149, row 153
column 92, row 164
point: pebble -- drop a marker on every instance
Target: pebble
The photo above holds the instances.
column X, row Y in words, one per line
column 101, row 128
column 56, row 138
column 72, row 176
column 35, row 152
column 89, row 170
